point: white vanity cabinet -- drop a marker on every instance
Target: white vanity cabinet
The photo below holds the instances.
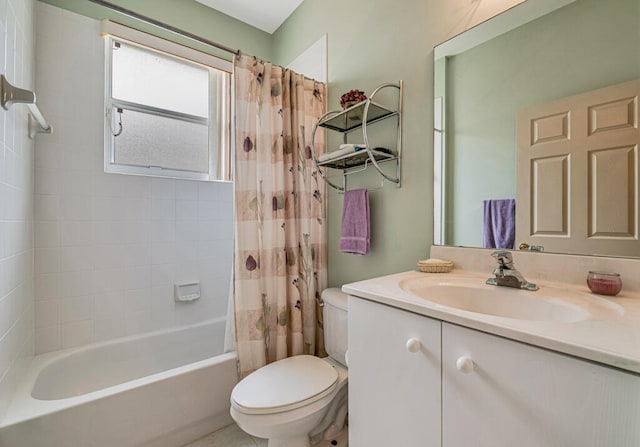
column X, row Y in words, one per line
column 394, row 377
column 513, row 394
column 463, row 387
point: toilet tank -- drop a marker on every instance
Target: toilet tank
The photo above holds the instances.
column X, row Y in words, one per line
column 335, row 323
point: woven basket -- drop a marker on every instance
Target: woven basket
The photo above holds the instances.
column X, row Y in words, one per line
column 435, row 266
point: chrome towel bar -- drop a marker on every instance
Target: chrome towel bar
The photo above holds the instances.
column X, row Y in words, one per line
column 10, row 94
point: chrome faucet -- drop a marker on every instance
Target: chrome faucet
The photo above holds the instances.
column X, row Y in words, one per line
column 506, row 273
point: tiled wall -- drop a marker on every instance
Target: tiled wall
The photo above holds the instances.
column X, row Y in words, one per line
column 16, row 197
column 109, row 247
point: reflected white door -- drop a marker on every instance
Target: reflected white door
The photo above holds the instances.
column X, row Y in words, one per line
column 577, row 173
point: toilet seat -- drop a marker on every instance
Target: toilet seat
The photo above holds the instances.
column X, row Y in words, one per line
column 285, row 385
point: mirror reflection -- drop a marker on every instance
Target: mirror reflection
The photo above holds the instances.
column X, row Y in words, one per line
column 514, row 98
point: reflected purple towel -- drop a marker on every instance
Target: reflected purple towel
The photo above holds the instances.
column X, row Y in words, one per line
column 499, row 224
column 354, row 235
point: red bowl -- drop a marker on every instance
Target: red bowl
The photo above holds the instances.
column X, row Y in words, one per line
column 604, row 283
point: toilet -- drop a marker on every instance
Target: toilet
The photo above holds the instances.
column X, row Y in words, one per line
column 300, row 400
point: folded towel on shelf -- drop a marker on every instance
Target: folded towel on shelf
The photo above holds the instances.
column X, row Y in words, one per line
column 344, row 149
column 354, row 234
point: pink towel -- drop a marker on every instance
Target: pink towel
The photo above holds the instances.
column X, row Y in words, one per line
column 354, row 235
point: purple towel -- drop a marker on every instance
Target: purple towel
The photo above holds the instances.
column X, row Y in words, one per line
column 354, row 235
column 499, row 224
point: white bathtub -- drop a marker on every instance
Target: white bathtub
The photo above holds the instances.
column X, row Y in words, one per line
column 155, row 390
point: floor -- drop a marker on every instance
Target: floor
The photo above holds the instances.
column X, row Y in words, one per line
column 232, row 436
column 229, row 436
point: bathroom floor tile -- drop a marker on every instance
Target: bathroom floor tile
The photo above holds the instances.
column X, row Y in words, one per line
column 341, row 440
column 229, row 436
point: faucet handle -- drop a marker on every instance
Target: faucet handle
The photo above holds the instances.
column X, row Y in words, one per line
column 504, row 258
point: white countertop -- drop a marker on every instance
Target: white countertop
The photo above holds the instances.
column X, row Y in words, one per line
column 611, row 336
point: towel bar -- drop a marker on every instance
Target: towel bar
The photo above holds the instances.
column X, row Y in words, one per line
column 10, row 94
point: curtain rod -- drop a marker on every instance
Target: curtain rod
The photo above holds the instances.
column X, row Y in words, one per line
column 163, row 25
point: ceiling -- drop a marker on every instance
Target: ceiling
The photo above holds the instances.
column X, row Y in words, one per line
column 266, row 15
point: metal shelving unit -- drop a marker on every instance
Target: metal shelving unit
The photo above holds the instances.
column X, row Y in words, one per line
column 359, row 116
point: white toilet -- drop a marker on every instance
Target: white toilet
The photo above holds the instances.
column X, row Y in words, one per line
column 300, row 400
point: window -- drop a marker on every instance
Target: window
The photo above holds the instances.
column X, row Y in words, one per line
column 167, row 108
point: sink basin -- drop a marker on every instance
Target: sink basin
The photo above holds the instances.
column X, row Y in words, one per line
column 547, row 304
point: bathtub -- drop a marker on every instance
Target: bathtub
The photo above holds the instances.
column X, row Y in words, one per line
column 161, row 389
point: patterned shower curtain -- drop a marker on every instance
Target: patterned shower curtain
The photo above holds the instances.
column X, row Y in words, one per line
column 280, row 250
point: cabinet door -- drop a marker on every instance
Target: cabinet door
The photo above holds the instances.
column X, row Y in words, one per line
column 519, row 395
column 394, row 388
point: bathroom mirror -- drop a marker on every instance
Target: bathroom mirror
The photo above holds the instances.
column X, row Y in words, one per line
column 535, row 53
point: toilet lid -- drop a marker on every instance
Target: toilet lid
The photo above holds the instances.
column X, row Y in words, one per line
column 285, row 385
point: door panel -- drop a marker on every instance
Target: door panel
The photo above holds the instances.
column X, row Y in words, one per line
column 577, row 173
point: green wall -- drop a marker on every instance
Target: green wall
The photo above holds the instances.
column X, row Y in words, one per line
column 187, row 15
column 369, row 42
column 583, row 46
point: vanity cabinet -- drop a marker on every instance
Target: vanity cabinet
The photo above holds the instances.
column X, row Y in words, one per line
column 468, row 388
column 513, row 394
column 394, row 377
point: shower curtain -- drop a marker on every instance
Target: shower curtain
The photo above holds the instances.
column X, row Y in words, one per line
column 280, row 248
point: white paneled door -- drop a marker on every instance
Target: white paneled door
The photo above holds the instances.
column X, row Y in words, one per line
column 577, row 173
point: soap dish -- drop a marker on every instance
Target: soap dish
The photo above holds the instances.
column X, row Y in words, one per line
column 435, row 266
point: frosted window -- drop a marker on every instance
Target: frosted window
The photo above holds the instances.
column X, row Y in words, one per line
column 152, row 140
column 175, row 109
column 158, row 80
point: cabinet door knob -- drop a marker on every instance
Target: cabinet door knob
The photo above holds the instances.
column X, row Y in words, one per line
column 413, row 345
column 465, row 364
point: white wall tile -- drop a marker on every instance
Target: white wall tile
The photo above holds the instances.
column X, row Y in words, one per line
column 162, row 188
column 48, row 339
column 138, row 278
column 76, row 334
column 108, row 328
column 186, row 231
column 163, row 274
column 46, row 234
column 76, row 258
column 76, row 207
column 76, row 233
column 163, row 231
column 47, row 313
column 135, row 186
column 76, row 308
column 139, row 322
column 73, row 183
column 162, row 209
column 47, row 260
column 109, row 247
column 109, row 305
column 47, row 181
column 17, row 313
column 186, row 190
column 77, row 283
column 137, row 301
column 46, row 207
column 186, row 209
column 47, row 286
